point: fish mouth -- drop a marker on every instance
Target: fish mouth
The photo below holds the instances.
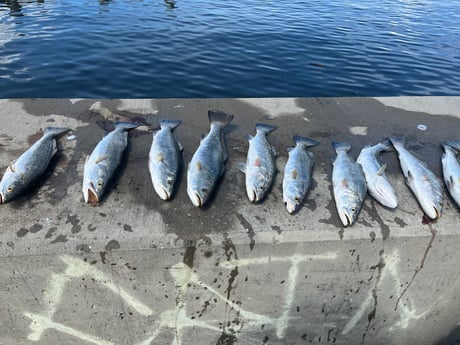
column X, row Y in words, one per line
column 196, row 199
column 90, row 195
column 252, row 195
column 346, row 219
column 437, row 213
column 162, row 192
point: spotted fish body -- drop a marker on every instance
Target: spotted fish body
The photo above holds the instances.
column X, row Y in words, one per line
column 164, row 159
column 260, row 166
column 451, row 168
column 298, row 173
column 208, row 162
column 30, row 165
column 105, row 158
column 377, row 182
column 420, row 179
column 349, row 184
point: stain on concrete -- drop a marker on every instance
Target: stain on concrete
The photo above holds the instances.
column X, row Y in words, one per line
column 36, row 228
column 103, row 256
column 10, row 244
column 372, row 235
column 113, row 244
column 91, row 227
column 276, row 228
column 189, row 255
column 127, row 228
column 22, row 232
column 248, row 227
column 227, row 339
column 50, row 232
column 84, row 248
column 76, row 228
column 400, row 222
column 60, row 238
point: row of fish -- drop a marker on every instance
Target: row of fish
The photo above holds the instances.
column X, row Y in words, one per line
column 351, row 179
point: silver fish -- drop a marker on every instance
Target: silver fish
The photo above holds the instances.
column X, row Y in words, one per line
column 420, row 179
column 377, row 182
column 164, row 159
column 298, row 173
column 30, row 165
column 208, row 162
column 451, row 168
column 348, row 183
column 260, row 163
column 105, row 158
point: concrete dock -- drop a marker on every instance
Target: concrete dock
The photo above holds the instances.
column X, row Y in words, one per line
column 137, row 270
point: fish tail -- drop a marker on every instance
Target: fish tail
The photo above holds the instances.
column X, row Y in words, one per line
column 217, row 117
column 397, row 140
column 305, row 141
column 124, row 126
column 170, row 123
column 455, row 144
column 386, row 145
column 340, row 146
column 54, row 131
column 264, row 128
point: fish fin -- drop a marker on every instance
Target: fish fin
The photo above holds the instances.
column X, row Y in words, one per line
column 264, row 128
column 382, row 169
column 289, row 149
column 203, row 135
column 305, row 141
column 101, row 158
column 344, row 183
column 11, row 167
column 450, row 182
column 170, row 124
column 124, row 126
column 397, row 140
column 217, row 117
column 387, row 146
column 199, row 166
column 160, row 157
column 273, row 151
column 455, row 144
column 294, row 174
column 242, row 167
column 54, row 131
column 179, row 144
column 224, row 149
column 222, row 170
column 340, row 146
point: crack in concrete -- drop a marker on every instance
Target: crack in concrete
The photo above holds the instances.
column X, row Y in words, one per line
column 418, row 269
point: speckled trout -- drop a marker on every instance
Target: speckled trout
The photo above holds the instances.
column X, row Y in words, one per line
column 298, row 173
column 260, row 166
column 348, row 183
column 420, row 179
column 208, row 162
column 105, row 158
column 164, row 159
column 377, row 182
column 451, row 168
column 30, row 165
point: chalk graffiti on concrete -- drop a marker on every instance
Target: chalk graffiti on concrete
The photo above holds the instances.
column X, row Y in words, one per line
column 176, row 319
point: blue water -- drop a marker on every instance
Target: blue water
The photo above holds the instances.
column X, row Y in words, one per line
column 229, row 48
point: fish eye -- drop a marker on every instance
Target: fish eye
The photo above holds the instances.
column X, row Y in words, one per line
column 353, row 209
column 297, row 199
column 99, row 183
column 10, row 189
column 261, row 188
column 204, row 189
column 169, row 180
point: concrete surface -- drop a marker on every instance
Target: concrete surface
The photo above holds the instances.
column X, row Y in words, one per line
column 136, row 270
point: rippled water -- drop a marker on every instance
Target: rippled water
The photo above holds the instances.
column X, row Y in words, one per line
column 231, row 48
